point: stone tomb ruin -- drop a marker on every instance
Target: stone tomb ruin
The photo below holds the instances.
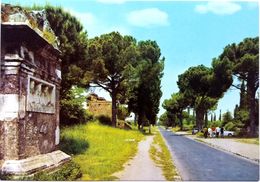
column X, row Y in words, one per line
column 30, row 77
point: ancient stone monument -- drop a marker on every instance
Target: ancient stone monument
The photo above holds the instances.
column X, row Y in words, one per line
column 99, row 106
column 30, row 77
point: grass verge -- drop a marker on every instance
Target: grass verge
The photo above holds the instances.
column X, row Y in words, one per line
column 162, row 157
column 99, row 150
column 249, row 140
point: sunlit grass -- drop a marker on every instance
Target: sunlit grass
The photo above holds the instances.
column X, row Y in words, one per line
column 249, row 140
column 102, row 149
column 162, row 157
column 176, row 129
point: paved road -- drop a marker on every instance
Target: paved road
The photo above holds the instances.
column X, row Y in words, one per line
column 196, row 161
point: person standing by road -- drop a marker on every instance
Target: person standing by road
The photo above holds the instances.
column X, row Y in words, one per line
column 222, row 132
column 205, row 132
column 217, row 131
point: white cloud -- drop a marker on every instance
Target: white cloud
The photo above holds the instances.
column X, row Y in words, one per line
column 96, row 26
column 148, row 17
column 112, row 1
column 218, row 7
column 87, row 19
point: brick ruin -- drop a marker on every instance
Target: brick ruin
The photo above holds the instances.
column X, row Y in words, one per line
column 30, row 76
column 99, row 106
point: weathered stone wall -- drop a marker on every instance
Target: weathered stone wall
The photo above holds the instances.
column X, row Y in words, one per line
column 1, row 140
column 27, row 57
column 99, row 106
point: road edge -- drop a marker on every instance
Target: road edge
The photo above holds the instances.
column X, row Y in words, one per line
column 224, row 150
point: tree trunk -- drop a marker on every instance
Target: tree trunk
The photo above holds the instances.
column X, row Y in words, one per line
column 181, row 121
column 252, row 112
column 114, row 109
column 199, row 118
column 135, row 119
column 150, row 128
column 206, row 119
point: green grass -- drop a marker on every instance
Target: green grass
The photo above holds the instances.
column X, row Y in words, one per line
column 162, row 157
column 249, row 140
column 176, row 129
column 99, row 150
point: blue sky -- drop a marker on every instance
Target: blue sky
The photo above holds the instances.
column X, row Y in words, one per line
column 189, row 33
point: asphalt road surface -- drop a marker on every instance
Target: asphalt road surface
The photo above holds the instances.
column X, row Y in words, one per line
column 199, row 162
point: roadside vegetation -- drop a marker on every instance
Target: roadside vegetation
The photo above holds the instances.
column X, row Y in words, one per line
column 249, row 140
column 162, row 157
column 201, row 87
column 99, row 150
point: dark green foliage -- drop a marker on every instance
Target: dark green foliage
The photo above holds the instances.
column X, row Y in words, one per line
column 244, row 58
column 73, row 46
column 163, row 120
column 215, row 117
column 220, row 116
column 227, row 117
column 176, row 105
column 5, row 176
column 230, row 126
column 110, row 56
column 196, row 84
column 145, row 84
column 122, row 112
column 72, row 145
column 74, row 66
column 105, row 120
column 243, row 97
column 72, row 111
column 67, row 172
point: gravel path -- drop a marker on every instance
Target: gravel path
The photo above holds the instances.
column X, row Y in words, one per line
column 141, row 167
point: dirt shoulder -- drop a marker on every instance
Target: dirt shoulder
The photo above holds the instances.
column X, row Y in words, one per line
column 141, row 167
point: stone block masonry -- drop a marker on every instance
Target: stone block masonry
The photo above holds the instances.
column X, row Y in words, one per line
column 30, row 76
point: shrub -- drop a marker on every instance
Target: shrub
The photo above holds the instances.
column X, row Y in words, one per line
column 230, row 126
column 105, row 120
column 72, row 145
column 68, row 172
column 215, row 124
column 72, row 112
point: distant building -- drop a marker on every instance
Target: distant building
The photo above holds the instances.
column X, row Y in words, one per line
column 98, row 105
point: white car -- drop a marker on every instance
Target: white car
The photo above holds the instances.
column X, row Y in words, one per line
column 229, row 133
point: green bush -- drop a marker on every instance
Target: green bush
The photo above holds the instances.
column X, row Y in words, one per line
column 5, row 176
column 215, row 124
column 72, row 145
column 187, row 127
column 72, row 112
column 68, row 172
column 105, row 120
column 230, row 126
column 200, row 134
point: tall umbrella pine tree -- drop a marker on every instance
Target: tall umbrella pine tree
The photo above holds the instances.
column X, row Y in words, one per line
column 245, row 60
column 110, row 54
column 145, row 93
column 175, row 105
column 204, row 86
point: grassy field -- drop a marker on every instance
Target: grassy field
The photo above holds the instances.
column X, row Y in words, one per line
column 99, row 150
column 162, row 157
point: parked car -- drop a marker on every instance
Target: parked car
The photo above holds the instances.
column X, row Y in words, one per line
column 229, row 133
column 194, row 131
